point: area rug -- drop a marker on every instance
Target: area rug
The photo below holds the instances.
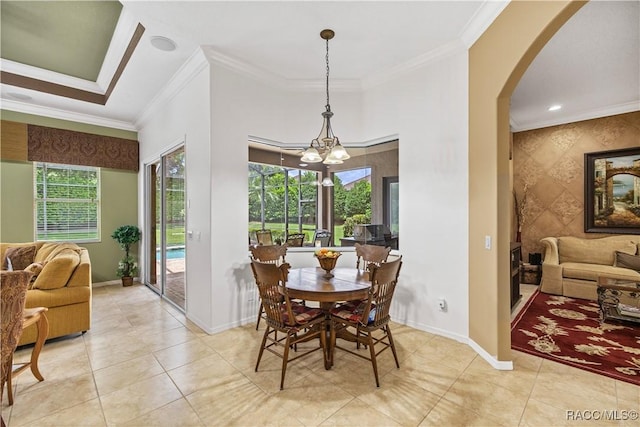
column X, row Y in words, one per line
column 568, row 331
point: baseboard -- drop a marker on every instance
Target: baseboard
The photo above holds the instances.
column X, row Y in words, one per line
column 490, row 359
column 107, row 283
column 437, row 331
column 112, row 282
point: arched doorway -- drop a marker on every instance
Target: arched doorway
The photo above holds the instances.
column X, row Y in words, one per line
column 497, row 61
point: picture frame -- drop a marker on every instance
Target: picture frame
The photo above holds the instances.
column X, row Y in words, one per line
column 612, row 191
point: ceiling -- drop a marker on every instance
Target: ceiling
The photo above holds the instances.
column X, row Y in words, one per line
column 591, row 66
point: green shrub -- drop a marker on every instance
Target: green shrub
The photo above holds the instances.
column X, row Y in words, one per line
column 353, row 220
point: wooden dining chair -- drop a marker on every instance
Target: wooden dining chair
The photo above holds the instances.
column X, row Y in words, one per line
column 13, row 294
column 274, row 254
column 357, row 321
column 264, row 237
column 295, row 239
column 371, row 254
column 324, row 236
column 296, row 323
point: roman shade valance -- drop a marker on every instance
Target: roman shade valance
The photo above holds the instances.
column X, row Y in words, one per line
column 45, row 144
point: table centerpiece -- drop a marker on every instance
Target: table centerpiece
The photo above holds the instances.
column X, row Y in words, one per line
column 327, row 259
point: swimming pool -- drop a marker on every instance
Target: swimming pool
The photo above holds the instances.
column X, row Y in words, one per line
column 176, row 252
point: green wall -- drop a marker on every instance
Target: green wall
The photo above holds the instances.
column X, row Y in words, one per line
column 118, row 197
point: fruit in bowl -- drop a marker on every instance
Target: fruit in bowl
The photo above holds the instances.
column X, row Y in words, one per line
column 326, row 253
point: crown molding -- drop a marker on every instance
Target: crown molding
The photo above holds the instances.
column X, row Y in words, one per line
column 481, row 20
column 611, row 110
column 414, row 64
column 196, row 63
column 478, row 23
column 276, row 80
column 234, row 64
column 55, row 113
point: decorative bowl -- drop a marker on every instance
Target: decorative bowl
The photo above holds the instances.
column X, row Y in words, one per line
column 327, row 260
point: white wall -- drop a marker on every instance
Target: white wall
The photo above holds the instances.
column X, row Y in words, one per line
column 427, row 108
column 187, row 118
column 242, row 106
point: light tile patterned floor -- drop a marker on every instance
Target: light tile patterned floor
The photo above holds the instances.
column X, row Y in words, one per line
column 144, row 364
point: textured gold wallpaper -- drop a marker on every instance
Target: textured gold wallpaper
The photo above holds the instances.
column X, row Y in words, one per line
column 549, row 162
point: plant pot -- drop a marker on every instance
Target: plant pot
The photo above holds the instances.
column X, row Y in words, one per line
column 127, row 280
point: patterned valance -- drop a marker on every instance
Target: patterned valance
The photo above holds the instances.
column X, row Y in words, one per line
column 77, row 148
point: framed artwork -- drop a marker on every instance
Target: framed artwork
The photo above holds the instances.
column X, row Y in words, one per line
column 612, row 191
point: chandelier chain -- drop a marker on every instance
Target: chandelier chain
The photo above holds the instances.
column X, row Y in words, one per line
column 327, row 58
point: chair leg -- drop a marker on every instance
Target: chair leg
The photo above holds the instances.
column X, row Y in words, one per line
column 285, row 359
column 260, row 310
column 372, row 351
column 9, row 385
column 393, row 346
column 43, row 332
column 264, row 341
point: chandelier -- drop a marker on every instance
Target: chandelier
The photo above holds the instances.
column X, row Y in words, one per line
column 326, row 147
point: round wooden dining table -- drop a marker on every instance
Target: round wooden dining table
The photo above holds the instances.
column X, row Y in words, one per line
column 309, row 284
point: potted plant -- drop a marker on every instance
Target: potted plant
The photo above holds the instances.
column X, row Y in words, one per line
column 127, row 235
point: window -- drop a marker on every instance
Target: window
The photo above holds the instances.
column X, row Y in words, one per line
column 274, row 190
column 352, row 200
column 67, row 202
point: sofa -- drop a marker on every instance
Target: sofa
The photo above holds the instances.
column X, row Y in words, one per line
column 571, row 265
column 61, row 282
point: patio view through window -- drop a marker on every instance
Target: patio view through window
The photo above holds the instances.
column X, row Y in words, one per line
column 282, row 200
column 286, row 196
column 352, row 200
column 67, row 202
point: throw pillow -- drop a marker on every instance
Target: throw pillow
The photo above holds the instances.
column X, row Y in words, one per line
column 627, row 261
column 35, row 268
column 56, row 272
column 20, row 256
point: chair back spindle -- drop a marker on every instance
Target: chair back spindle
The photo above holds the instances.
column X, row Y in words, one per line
column 371, row 255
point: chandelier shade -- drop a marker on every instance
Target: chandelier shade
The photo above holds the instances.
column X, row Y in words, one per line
column 326, row 147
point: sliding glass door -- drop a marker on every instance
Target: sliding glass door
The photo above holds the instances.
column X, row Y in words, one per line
column 166, row 226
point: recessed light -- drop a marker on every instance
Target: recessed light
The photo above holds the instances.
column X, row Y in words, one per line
column 304, row 165
column 555, row 107
column 163, row 43
column 19, row 96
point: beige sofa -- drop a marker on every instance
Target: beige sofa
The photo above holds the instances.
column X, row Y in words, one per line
column 572, row 265
column 62, row 283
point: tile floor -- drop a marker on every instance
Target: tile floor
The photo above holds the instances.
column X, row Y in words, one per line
column 143, row 364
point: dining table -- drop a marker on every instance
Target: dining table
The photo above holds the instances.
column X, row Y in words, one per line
column 311, row 284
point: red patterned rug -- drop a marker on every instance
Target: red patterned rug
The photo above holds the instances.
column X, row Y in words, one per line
column 568, row 330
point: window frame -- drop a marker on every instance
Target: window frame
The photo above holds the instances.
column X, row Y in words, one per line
column 38, row 236
column 287, row 173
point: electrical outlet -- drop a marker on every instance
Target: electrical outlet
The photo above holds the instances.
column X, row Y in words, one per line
column 442, row 304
